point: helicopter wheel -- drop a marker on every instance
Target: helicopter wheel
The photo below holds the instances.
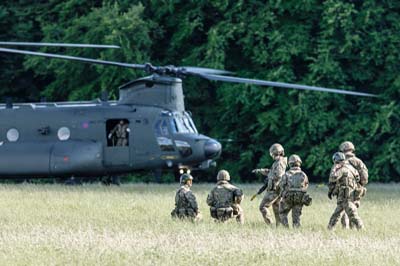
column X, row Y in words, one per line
column 111, row 180
column 72, row 181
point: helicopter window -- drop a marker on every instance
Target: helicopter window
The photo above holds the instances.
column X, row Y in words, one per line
column 63, row 133
column 165, row 144
column 182, row 128
column 161, row 128
column 184, row 124
column 12, row 135
column 190, row 121
column 117, row 132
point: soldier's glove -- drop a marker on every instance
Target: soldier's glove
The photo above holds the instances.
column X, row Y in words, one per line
column 109, row 136
column 253, row 197
column 255, row 171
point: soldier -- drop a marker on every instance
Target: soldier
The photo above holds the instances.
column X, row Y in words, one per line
column 294, row 186
column 185, row 201
column 348, row 149
column 343, row 183
column 271, row 183
column 224, row 200
column 121, row 131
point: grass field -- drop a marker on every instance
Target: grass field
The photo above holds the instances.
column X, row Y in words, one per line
column 131, row 225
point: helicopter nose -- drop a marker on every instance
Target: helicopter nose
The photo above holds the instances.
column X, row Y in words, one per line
column 212, row 149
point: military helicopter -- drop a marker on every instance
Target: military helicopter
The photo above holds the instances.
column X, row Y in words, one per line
column 64, row 139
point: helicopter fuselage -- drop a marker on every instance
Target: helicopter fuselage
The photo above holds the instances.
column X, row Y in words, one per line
column 74, row 139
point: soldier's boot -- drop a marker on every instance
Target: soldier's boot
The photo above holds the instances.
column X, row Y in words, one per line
column 240, row 218
column 284, row 220
column 266, row 215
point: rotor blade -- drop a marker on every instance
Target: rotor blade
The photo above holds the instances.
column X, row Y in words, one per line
column 281, row 85
column 204, row 70
column 59, row 45
column 74, row 58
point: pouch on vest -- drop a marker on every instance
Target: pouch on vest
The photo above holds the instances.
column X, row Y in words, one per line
column 213, row 212
column 307, row 200
column 225, row 212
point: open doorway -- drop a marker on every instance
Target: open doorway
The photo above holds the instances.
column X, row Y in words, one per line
column 117, row 132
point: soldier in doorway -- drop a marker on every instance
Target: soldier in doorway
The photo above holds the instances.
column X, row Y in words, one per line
column 121, row 131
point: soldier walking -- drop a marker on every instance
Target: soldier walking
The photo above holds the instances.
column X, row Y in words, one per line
column 224, row 200
column 343, row 183
column 348, row 149
column 272, row 184
column 186, row 206
column 294, row 186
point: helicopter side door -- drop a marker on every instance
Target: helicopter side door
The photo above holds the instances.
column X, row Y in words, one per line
column 119, row 140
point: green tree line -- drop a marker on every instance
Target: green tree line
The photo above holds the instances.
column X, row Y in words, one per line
column 339, row 44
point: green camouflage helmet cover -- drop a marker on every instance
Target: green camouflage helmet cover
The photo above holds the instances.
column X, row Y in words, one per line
column 338, row 157
column 347, row 146
column 294, row 159
column 223, row 175
column 184, row 178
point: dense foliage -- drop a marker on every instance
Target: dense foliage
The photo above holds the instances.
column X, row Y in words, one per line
column 334, row 43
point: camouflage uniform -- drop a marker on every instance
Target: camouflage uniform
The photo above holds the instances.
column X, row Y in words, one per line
column 343, row 177
column 362, row 179
column 224, row 200
column 186, row 206
column 121, row 131
column 294, row 186
column 271, row 184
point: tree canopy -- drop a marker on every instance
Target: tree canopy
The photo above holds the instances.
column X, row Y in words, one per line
column 333, row 43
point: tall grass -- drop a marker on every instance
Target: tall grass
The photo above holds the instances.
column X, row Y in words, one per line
column 131, row 225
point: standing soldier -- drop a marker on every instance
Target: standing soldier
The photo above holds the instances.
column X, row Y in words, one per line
column 121, row 131
column 294, row 186
column 271, row 183
column 343, row 182
column 348, row 149
column 224, row 200
column 185, row 202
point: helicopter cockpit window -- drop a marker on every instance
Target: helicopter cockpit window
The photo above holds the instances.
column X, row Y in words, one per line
column 117, row 132
column 184, row 124
column 12, row 135
column 163, row 135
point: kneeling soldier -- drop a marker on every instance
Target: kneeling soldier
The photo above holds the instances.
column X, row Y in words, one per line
column 185, row 202
column 294, row 186
column 224, row 200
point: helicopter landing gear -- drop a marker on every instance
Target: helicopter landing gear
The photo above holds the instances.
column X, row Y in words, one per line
column 111, row 180
column 72, row 181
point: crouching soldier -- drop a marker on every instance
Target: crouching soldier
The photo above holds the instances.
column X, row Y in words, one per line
column 224, row 200
column 294, row 186
column 185, row 201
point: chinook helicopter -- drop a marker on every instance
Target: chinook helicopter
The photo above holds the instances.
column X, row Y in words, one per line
column 64, row 139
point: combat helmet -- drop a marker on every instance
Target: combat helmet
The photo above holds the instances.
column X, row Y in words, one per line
column 223, row 175
column 276, row 149
column 184, row 178
column 347, row 146
column 338, row 157
column 295, row 160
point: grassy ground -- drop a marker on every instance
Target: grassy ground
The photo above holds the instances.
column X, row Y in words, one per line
column 131, row 225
